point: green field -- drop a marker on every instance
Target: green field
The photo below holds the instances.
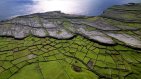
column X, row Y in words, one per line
column 76, row 58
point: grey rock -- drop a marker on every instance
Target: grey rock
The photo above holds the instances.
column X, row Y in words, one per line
column 59, row 33
column 101, row 25
column 127, row 28
column 52, row 24
column 31, row 56
column 49, row 25
column 39, row 32
column 127, row 39
column 90, row 64
column 17, row 31
column 97, row 36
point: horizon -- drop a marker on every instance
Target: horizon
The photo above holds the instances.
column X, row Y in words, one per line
column 80, row 7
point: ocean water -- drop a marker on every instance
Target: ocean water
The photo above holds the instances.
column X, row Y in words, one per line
column 12, row 8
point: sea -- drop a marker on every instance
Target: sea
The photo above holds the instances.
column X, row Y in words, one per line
column 13, row 8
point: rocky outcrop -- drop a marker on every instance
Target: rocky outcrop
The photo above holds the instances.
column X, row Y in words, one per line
column 112, row 27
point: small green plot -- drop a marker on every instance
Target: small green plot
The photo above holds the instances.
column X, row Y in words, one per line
column 22, row 64
column 92, row 55
column 101, row 57
column 32, row 60
column 103, row 71
column 73, row 50
column 119, row 47
column 3, row 56
column 80, row 55
column 110, row 48
column 89, row 28
column 68, row 60
column 121, row 67
column 128, row 57
column 137, row 56
column 130, row 33
column 111, row 65
column 28, row 43
column 73, row 46
column 38, row 52
column 1, row 69
column 127, row 66
column 1, row 63
column 115, row 72
column 79, row 48
column 51, row 68
column 43, row 50
column 96, row 50
column 66, row 49
column 84, row 49
column 60, row 56
column 20, row 60
column 109, row 59
column 9, row 53
column 123, row 73
column 133, row 76
column 61, row 50
column 13, row 70
column 41, row 58
column 53, row 52
column 100, row 64
column 7, row 65
column 93, row 18
column 39, row 46
column 50, row 58
column 5, row 75
column 28, row 72
column 102, row 52
column 86, row 60
column 99, row 46
column 21, row 53
column 58, row 45
column 65, row 45
column 11, row 46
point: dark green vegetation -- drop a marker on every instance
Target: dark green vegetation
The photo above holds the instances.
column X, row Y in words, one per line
column 59, row 46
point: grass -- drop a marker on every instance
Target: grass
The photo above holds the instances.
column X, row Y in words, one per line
column 93, row 18
column 109, row 59
column 89, row 28
column 68, row 26
column 28, row 72
column 7, row 65
column 92, row 55
column 51, row 61
column 62, row 71
column 13, row 70
column 1, row 69
column 50, row 68
column 119, row 23
column 2, row 57
column 100, row 63
column 80, row 55
column 5, row 74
